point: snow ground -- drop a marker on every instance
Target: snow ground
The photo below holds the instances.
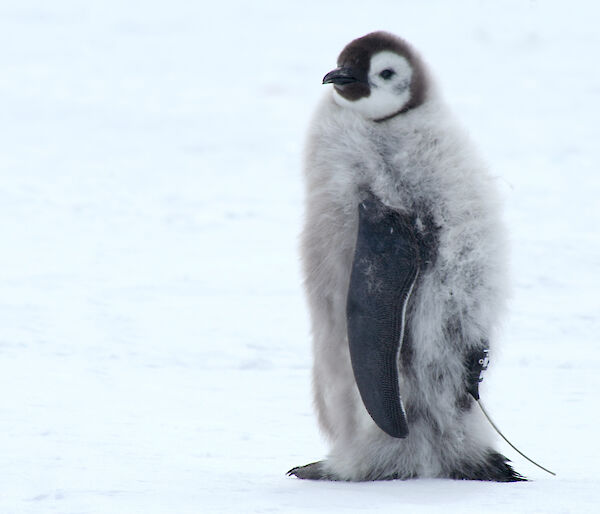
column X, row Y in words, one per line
column 154, row 346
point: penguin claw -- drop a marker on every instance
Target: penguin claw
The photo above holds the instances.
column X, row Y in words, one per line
column 495, row 468
column 312, row 471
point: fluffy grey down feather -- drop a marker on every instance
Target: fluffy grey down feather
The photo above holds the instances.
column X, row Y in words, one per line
column 421, row 163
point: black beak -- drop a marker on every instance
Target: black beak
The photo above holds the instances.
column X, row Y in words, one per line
column 340, row 77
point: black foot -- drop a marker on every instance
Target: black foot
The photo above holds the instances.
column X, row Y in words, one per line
column 313, row 471
column 496, row 468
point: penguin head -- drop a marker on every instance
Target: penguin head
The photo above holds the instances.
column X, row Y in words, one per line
column 379, row 76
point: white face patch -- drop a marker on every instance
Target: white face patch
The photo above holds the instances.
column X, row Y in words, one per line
column 389, row 78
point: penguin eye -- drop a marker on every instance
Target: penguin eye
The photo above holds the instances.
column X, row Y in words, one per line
column 387, row 74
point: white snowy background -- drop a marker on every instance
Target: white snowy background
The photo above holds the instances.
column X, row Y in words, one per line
column 154, row 340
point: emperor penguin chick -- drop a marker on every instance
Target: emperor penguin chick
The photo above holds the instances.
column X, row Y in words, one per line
column 404, row 262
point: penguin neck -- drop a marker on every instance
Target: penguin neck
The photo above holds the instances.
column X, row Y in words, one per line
column 410, row 119
column 404, row 110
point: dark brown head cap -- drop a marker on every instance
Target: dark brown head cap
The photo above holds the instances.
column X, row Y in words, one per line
column 357, row 56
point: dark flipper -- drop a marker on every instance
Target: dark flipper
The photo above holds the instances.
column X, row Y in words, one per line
column 384, row 271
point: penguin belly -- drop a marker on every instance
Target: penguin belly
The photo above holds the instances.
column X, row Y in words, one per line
column 450, row 314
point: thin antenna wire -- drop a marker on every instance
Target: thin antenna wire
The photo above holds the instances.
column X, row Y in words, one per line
column 511, row 445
